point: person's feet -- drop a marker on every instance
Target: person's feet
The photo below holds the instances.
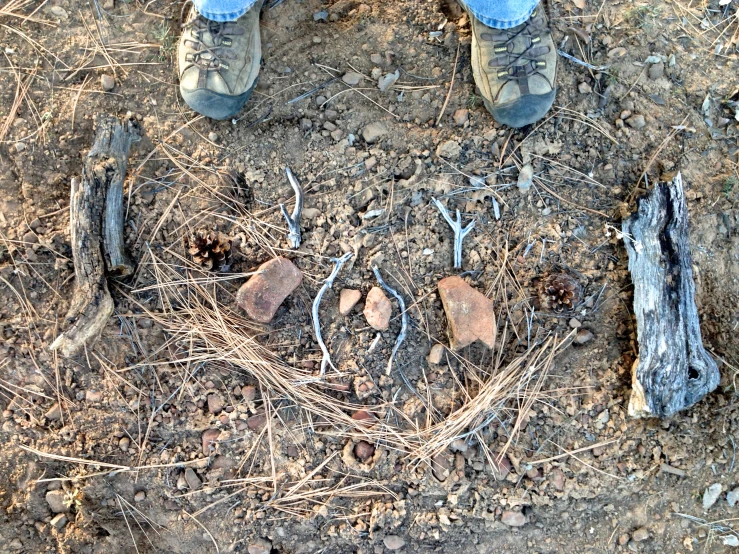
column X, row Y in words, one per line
column 514, row 69
column 219, row 63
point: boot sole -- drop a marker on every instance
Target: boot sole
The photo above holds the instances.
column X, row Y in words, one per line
column 524, row 111
column 215, row 105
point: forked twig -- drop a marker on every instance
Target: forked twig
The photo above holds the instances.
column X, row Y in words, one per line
column 459, row 232
column 326, row 360
column 403, row 318
column 293, row 222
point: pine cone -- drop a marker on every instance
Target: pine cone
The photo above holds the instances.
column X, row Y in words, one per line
column 559, row 292
column 209, row 249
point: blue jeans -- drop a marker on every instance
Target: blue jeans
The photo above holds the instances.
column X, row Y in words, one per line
column 500, row 14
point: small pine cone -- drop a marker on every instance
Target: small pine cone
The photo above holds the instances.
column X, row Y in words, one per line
column 559, row 292
column 209, row 249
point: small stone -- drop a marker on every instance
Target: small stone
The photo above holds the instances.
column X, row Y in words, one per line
column 636, row 122
column 376, row 59
column 575, row 323
column 124, row 443
column 623, row 539
column 263, row 293
column 56, row 501
column 293, row 451
column 348, row 298
column 470, row 313
column 732, row 497
column 441, row 466
column 337, row 134
column 55, row 412
column 393, row 542
column 363, row 416
column 352, row 78
column 584, row 88
column 93, row 395
column 209, row 438
column 317, row 40
column 107, row 82
column 626, row 114
column 449, row 149
column 215, row 403
column 30, row 238
column 212, row 136
column 249, row 393
column 20, row 146
column 306, row 124
column 374, row 131
column 656, row 70
column 59, row 12
column 711, row 494
column 640, row 534
column 140, row 496
column 436, row 356
column 377, row 309
column 59, row 521
column 459, row 445
column 192, row 479
column 461, row 116
column 320, row 16
column 363, row 451
column 501, row 466
column 513, row 518
column 618, row 52
column 583, row 336
column 256, row 422
column 260, row 546
column 525, row 178
column 222, row 462
column 387, row 81
column 557, row 479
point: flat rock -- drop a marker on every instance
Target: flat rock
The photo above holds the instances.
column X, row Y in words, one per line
column 59, row 521
column 449, row 149
column 732, row 497
column 469, row 312
column 215, row 403
column 373, row 132
column 209, row 437
column 262, row 295
column 55, row 500
column 55, row 412
column 441, row 466
column 461, row 116
column 107, row 82
column 583, row 336
column 377, row 309
column 636, row 122
column 192, row 479
column 711, row 494
column 436, row 356
column 348, row 298
column 393, row 542
column 260, row 546
column 352, row 78
column 640, row 534
column 513, row 519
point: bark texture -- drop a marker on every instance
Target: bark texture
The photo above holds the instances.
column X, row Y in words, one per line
column 673, row 370
column 96, row 222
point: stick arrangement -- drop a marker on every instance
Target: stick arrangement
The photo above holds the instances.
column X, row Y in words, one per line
column 96, row 222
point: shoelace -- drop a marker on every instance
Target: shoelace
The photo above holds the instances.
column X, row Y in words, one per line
column 518, row 66
column 210, row 58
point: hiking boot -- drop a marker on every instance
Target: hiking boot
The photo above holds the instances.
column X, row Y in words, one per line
column 219, row 62
column 514, row 69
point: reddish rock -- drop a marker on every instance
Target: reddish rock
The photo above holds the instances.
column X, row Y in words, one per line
column 348, row 298
column 210, row 436
column 261, row 296
column 215, row 403
column 501, row 466
column 377, row 309
column 441, row 466
column 249, row 392
column 222, row 462
column 513, row 519
column 363, row 451
column 364, row 417
column 256, row 422
column 470, row 314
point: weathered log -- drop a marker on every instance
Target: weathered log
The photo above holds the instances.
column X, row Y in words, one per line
column 96, row 226
column 673, row 370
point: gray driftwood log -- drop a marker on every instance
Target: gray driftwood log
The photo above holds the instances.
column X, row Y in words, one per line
column 673, row 370
column 96, row 226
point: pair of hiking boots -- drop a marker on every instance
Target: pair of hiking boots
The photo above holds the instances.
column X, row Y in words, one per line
column 514, row 68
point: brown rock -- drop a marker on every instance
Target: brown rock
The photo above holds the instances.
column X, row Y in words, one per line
column 215, row 403
column 249, row 393
column 260, row 546
column 192, row 479
column 640, row 534
column 461, row 116
column 222, row 462
column 364, row 417
column 59, row 521
column 557, row 479
column 441, row 466
column 363, row 451
column 513, row 519
column 469, row 312
column 256, row 422
column 377, row 309
column 56, row 501
column 501, row 467
column 262, row 295
column 348, row 298
column 209, row 437
column 437, row 354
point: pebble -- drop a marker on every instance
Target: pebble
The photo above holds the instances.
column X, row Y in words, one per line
column 215, row 403
column 575, row 323
column 656, row 70
column 320, row 16
column 212, row 136
column 388, row 80
column 139, row 496
column 449, row 149
column 584, row 88
column 623, row 539
column 209, row 437
column 376, row 59
column 636, row 122
column 618, row 52
column 249, row 393
column 513, row 519
column 306, row 124
column 256, row 422
column 374, row 131
column 470, row 313
column 640, row 534
column 348, row 298
column 393, row 542
column 20, row 146
column 441, row 466
column 54, row 412
column 352, row 78
column 260, row 546
column 583, row 336
column 192, row 479
column 711, row 494
column 459, row 445
column 437, row 354
column 732, row 497
column 55, row 500
column 263, row 293
column 525, row 178
column 557, row 479
column 59, row 12
column 461, row 116
column 337, row 134
column 93, row 395
column 363, row 451
column 377, row 309
column 107, row 82
column 124, row 443
column 626, row 114
column 59, row 521
column 364, row 416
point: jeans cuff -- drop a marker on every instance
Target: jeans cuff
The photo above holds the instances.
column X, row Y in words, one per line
column 500, row 24
column 222, row 17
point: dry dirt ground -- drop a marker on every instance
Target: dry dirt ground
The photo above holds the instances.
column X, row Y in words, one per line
column 578, row 475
